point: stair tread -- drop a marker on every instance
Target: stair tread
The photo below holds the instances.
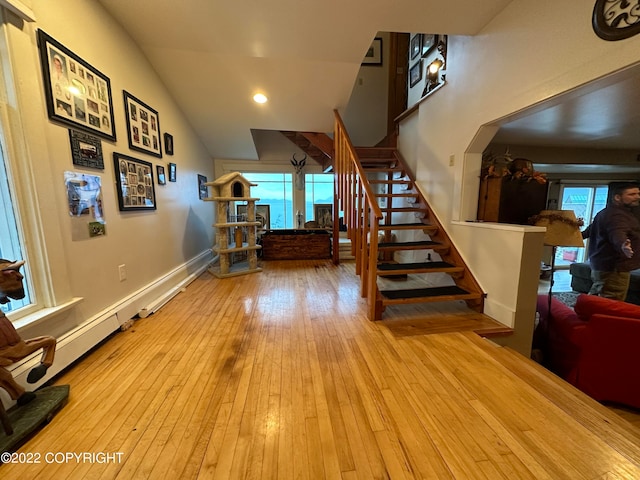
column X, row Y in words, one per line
column 430, row 292
column 407, row 195
column 418, row 225
column 391, row 267
column 377, row 161
column 404, row 209
column 421, row 243
column 394, row 181
column 379, row 169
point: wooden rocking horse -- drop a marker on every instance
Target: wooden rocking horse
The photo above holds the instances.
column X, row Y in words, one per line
column 13, row 348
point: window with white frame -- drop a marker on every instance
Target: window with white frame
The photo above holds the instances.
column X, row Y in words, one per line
column 10, row 245
column 318, row 190
column 585, row 201
column 276, row 191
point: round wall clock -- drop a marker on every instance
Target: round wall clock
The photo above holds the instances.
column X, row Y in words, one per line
column 616, row 19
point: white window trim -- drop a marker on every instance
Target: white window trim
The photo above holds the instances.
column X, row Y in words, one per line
column 19, row 165
column 20, row 9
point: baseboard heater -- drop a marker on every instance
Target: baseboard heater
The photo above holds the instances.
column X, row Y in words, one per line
column 69, row 348
column 81, row 339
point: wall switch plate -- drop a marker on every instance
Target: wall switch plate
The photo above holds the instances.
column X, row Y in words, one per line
column 122, row 272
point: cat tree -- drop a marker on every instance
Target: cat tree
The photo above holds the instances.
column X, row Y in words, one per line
column 235, row 235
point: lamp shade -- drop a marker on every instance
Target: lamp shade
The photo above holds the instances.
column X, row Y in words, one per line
column 563, row 229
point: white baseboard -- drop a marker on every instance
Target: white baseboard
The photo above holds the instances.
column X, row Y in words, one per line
column 167, row 286
column 500, row 312
column 75, row 343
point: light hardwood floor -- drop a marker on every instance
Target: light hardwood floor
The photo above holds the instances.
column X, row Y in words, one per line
column 280, row 375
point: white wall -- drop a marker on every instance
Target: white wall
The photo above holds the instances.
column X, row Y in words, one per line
column 529, row 53
column 154, row 245
column 366, row 116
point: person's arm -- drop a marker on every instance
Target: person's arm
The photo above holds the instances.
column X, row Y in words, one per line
column 586, row 233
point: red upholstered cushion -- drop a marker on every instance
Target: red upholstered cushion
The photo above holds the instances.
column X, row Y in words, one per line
column 587, row 305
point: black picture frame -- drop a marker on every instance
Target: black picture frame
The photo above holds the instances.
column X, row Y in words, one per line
column 77, row 94
column 162, row 178
column 172, row 172
column 168, row 144
column 429, row 42
column 143, row 126
column 415, row 73
column 415, row 45
column 203, row 189
column 262, row 212
column 86, row 150
column 134, row 183
column 374, row 53
column 323, row 215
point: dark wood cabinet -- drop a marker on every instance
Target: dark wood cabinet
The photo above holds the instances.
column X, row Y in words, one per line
column 509, row 200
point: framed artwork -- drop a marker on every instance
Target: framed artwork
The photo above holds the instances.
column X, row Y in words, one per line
column 162, row 179
column 77, row 94
column 415, row 45
column 84, row 195
column 415, row 73
column 374, row 54
column 86, row 150
column 143, row 126
column 323, row 214
column 134, row 182
column 168, row 144
column 263, row 215
column 203, row 190
column 172, row 172
column 429, row 41
column 241, row 212
column 97, row 229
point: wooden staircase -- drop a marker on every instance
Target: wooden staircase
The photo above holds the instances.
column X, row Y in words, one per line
column 379, row 198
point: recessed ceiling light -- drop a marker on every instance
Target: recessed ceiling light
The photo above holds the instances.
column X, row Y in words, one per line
column 260, row 98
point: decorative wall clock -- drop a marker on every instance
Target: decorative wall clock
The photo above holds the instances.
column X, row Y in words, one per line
column 616, row 19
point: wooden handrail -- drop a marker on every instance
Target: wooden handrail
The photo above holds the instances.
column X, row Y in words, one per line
column 362, row 214
column 353, row 156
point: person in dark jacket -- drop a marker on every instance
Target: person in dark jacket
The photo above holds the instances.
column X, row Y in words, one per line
column 614, row 243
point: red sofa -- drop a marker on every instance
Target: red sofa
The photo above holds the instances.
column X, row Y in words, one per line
column 595, row 346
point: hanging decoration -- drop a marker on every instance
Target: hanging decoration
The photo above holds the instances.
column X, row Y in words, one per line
column 299, row 165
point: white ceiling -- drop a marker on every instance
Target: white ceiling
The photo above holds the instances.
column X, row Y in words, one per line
column 304, row 55
column 602, row 115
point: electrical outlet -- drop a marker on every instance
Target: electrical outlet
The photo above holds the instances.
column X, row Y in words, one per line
column 452, row 160
column 122, row 272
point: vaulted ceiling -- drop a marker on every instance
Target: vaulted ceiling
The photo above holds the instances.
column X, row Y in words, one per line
column 304, row 55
